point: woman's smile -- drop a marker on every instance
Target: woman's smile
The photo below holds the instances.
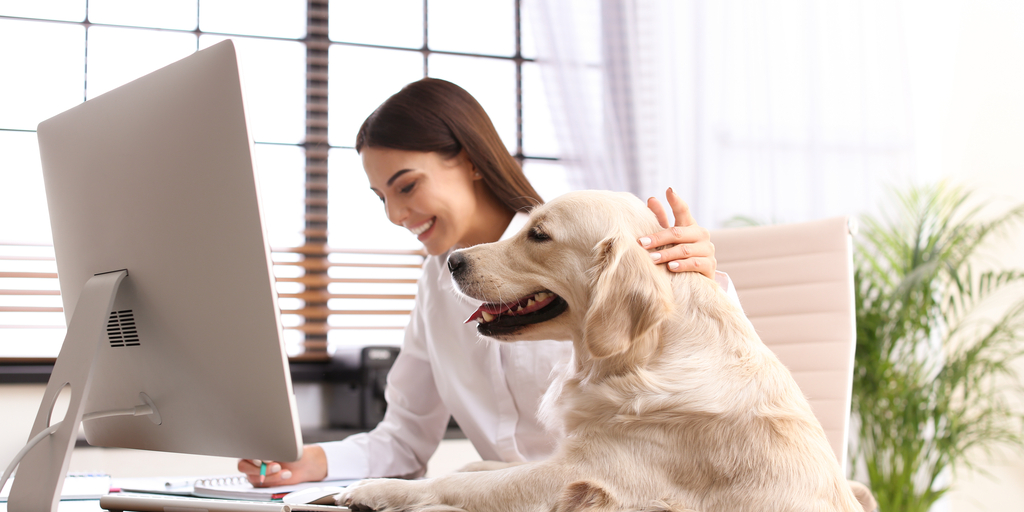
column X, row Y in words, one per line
column 421, row 230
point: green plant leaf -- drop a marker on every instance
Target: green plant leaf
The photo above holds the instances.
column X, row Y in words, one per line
column 930, row 373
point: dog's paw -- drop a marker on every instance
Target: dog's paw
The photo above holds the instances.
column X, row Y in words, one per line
column 383, row 495
column 864, row 496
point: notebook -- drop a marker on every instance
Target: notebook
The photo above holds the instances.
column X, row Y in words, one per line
column 235, row 487
column 161, row 503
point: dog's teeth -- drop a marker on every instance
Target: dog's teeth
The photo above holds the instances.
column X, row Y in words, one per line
column 487, row 316
column 520, row 308
column 530, row 303
column 542, row 296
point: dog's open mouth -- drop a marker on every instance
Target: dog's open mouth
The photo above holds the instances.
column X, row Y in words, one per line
column 509, row 317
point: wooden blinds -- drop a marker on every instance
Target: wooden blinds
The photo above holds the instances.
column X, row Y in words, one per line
column 317, row 147
column 363, row 296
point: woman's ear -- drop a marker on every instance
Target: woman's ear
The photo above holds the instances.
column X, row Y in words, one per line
column 462, row 159
column 628, row 298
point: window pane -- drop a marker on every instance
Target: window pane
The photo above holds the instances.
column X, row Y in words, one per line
column 382, row 22
column 31, row 342
column 30, row 333
column 174, row 14
column 22, row 196
column 538, row 129
column 583, row 35
column 274, row 18
column 549, row 178
column 281, row 171
column 120, row 55
column 472, row 26
column 63, row 10
column 360, row 80
column 274, row 81
column 43, row 78
column 340, row 338
column 357, row 218
column 527, row 43
column 491, row 81
column 26, row 221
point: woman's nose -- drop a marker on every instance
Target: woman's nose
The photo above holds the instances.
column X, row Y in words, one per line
column 396, row 212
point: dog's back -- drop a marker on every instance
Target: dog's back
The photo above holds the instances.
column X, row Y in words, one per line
column 713, row 410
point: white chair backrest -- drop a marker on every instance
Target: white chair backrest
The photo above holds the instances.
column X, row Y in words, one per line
column 795, row 283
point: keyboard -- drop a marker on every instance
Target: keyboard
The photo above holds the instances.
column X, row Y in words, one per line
column 117, row 502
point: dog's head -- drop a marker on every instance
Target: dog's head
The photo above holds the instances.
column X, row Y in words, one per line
column 575, row 271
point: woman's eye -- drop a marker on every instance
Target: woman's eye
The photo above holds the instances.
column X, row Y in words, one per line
column 408, row 188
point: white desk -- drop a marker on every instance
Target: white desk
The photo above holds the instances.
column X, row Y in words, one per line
column 70, row 506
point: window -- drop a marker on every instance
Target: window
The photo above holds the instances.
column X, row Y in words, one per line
column 313, row 71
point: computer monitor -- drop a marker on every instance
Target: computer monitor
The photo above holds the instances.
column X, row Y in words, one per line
column 165, row 276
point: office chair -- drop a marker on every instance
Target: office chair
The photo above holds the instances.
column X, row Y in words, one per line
column 795, row 283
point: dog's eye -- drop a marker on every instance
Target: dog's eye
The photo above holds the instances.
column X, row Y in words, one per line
column 537, row 235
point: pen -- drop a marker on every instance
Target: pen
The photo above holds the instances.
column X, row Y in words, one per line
column 180, row 483
column 263, row 471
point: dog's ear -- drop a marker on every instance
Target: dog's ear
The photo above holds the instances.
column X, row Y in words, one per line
column 628, row 298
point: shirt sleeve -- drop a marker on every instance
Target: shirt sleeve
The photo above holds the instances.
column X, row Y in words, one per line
column 413, row 425
column 725, row 282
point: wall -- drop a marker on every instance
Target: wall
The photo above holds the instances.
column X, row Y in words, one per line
column 970, row 127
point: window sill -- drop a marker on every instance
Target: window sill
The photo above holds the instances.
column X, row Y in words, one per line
column 37, row 371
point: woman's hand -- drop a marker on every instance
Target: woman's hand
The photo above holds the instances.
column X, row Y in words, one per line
column 693, row 251
column 312, row 467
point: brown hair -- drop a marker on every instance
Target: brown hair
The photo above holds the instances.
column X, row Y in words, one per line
column 438, row 116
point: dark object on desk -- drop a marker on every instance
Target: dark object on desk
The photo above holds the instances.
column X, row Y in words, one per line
column 358, row 377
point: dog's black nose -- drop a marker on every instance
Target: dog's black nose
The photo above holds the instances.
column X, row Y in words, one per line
column 456, row 263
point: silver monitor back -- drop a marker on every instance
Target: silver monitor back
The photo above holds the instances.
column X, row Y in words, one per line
column 157, row 177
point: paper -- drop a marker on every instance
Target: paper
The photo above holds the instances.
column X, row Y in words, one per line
column 238, row 487
column 226, row 486
column 177, row 486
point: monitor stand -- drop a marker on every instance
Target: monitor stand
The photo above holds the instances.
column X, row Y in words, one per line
column 41, row 473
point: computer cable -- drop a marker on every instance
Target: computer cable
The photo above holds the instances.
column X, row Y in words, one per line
column 138, row 410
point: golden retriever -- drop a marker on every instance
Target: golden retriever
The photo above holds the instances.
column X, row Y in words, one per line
column 671, row 402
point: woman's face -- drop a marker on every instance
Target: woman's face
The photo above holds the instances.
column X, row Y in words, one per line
column 436, row 199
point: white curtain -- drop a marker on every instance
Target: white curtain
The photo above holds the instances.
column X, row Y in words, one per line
column 780, row 111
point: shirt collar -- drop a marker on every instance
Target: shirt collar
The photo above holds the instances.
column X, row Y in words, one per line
column 518, row 221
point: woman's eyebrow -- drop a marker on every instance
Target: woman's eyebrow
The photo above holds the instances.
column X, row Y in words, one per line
column 396, row 175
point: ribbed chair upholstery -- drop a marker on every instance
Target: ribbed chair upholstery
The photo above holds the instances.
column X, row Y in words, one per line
column 795, row 282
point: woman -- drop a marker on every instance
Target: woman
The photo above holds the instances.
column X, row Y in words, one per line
column 435, row 160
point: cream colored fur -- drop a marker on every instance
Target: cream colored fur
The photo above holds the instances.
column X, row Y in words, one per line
column 671, row 403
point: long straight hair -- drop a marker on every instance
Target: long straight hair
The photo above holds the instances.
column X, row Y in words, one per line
column 433, row 115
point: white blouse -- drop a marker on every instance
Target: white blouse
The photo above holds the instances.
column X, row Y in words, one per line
column 492, row 389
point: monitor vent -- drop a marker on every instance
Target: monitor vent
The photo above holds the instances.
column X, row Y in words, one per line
column 121, row 330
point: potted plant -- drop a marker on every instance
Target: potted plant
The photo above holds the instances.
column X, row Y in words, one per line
column 931, row 375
